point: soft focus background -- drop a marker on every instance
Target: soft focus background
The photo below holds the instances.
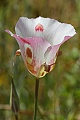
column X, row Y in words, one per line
column 59, row 92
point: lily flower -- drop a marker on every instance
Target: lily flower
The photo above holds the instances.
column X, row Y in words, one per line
column 39, row 41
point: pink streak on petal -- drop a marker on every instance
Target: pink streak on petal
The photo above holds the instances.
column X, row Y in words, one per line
column 39, row 27
column 18, row 38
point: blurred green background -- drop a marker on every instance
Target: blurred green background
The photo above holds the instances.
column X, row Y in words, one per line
column 59, row 91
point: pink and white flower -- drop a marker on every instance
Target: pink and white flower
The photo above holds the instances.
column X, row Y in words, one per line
column 39, row 41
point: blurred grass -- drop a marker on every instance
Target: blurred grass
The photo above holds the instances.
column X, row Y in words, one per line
column 59, row 93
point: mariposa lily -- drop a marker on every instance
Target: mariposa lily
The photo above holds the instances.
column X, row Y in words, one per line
column 39, row 41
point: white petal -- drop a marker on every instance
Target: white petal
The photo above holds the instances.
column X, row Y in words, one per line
column 52, row 31
column 50, row 54
column 50, row 26
column 55, row 32
column 25, row 27
column 63, row 33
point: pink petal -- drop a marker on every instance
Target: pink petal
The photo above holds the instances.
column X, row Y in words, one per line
column 32, row 50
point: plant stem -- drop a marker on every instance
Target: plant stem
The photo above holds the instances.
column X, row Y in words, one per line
column 36, row 98
column 16, row 117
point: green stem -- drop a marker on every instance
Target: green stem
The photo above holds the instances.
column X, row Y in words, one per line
column 36, row 98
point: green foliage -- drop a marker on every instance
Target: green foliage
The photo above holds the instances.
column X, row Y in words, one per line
column 59, row 92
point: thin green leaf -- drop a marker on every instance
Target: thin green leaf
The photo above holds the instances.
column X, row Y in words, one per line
column 14, row 100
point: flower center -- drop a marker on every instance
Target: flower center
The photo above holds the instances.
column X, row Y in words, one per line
column 44, row 69
column 39, row 27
